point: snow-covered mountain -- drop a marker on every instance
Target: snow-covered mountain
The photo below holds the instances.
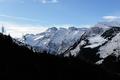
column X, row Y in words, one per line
column 102, row 39
column 91, row 38
column 54, row 40
column 111, row 45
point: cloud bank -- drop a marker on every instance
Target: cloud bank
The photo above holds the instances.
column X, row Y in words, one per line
column 17, row 31
column 111, row 18
column 23, row 1
column 47, row 1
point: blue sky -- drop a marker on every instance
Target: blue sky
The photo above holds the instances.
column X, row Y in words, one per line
column 59, row 12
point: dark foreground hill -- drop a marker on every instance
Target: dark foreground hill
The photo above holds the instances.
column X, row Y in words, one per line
column 20, row 63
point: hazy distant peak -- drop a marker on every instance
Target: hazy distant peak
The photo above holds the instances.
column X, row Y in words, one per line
column 73, row 28
column 108, row 24
column 52, row 29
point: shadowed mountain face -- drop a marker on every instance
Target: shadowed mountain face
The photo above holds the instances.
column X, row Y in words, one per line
column 19, row 63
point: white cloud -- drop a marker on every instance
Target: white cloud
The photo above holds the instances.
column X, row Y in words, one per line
column 19, row 18
column 16, row 30
column 85, row 26
column 72, row 25
column 111, row 18
column 47, row 1
column 54, row 1
column 24, row 1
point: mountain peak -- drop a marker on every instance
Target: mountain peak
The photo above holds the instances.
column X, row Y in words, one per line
column 52, row 29
column 108, row 24
column 72, row 28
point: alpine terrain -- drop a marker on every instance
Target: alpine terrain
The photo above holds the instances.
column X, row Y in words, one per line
column 63, row 53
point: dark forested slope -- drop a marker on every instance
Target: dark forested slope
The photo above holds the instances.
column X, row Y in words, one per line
column 20, row 63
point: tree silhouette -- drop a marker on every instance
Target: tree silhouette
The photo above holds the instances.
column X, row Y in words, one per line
column 20, row 63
